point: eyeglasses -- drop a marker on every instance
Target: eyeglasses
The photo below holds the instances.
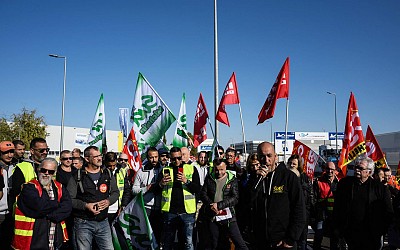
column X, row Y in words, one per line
column 41, row 150
column 67, row 158
column 330, row 169
column 11, row 151
column 96, row 156
column 176, row 158
column 361, row 168
column 220, row 152
column 47, row 171
column 124, row 160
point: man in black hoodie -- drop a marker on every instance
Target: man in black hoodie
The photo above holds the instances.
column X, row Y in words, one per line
column 278, row 202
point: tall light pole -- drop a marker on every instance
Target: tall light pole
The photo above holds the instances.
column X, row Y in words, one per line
column 216, row 69
column 271, row 137
column 337, row 151
column 63, row 100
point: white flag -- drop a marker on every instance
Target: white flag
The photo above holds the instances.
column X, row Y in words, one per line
column 132, row 229
column 150, row 116
column 97, row 136
column 180, row 137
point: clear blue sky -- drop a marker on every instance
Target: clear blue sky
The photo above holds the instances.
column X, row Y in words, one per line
column 337, row 46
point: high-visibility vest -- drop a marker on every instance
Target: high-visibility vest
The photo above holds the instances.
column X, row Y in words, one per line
column 188, row 198
column 23, row 230
column 120, row 177
column 27, row 169
column 325, row 193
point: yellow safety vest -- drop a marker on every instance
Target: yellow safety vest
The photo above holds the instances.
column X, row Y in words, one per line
column 28, row 170
column 120, row 176
column 188, row 197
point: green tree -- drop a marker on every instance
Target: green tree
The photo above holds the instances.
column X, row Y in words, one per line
column 24, row 126
column 5, row 130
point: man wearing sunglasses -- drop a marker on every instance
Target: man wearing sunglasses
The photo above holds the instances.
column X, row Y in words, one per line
column 179, row 183
column 65, row 170
column 93, row 189
column 362, row 209
column 41, row 209
column 26, row 170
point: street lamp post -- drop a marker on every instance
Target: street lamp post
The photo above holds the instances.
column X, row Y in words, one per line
column 63, row 100
column 337, row 151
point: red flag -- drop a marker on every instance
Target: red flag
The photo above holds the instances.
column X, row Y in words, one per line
column 200, row 121
column 310, row 158
column 131, row 149
column 353, row 142
column 231, row 96
column 374, row 150
column 280, row 89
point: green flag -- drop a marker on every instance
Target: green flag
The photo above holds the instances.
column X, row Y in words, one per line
column 150, row 116
column 132, row 229
column 97, row 136
column 180, row 137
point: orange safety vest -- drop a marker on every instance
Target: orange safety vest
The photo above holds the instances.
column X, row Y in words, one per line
column 23, row 230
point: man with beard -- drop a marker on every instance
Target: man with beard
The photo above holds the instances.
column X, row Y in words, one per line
column 164, row 156
column 26, row 170
column 92, row 190
column 179, row 184
column 41, row 208
column 145, row 181
column 362, row 210
column 19, row 151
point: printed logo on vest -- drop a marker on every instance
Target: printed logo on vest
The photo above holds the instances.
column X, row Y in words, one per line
column 278, row 189
column 103, row 188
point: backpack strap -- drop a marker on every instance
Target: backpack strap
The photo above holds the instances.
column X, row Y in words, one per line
column 79, row 180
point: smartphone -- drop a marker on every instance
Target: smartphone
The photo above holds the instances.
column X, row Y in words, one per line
column 166, row 172
column 180, row 169
column 96, row 207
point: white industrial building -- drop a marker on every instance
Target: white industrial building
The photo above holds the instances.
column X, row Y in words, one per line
column 77, row 138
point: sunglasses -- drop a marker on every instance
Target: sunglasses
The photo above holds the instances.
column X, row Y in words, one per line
column 124, row 160
column 361, row 168
column 11, row 151
column 41, row 150
column 67, row 158
column 47, row 171
column 176, row 158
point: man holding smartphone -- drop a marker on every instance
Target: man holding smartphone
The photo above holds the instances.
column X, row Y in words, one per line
column 179, row 183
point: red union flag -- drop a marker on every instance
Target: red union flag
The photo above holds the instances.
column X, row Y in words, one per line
column 231, row 96
column 280, row 89
column 200, row 121
column 374, row 150
column 131, row 149
column 310, row 158
column 353, row 142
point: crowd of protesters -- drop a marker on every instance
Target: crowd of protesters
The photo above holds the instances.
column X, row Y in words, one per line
column 192, row 202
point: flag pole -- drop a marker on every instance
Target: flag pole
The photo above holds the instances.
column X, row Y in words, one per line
column 286, row 129
column 244, row 136
column 212, row 131
column 216, row 68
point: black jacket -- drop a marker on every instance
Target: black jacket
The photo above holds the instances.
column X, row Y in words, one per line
column 44, row 210
column 365, row 206
column 279, row 207
column 230, row 195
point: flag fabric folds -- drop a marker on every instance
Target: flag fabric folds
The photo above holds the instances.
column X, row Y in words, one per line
column 353, row 142
column 150, row 116
column 280, row 89
column 97, row 134
column 310, row 158
column 374, row 151
column 180, row 137
column 132, row 229
column 131, row 149
column 200, row 122
column 123, row 121
column 230, row 96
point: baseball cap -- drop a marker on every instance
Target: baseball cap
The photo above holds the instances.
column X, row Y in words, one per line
column 162, row 151
column 6, row 145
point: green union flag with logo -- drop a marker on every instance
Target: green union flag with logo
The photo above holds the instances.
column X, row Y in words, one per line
column 180, row 137
column 150, row 116
column 97, row 136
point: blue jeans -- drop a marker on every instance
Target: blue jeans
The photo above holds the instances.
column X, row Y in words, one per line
column 183, row 222
column 85, row 231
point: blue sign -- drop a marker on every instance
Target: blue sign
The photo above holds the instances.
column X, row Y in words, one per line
column 332, row 135
column 206, row 148
column 281, row 135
